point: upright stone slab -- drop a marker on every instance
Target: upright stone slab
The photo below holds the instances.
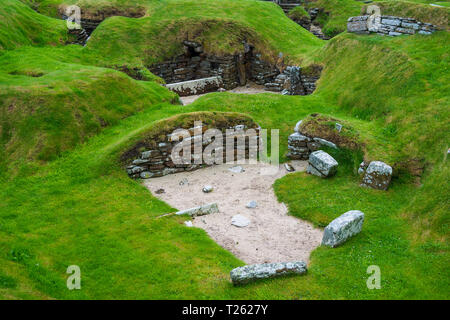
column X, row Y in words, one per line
column 255, row 272
column 343, row 228
column 321, row 164
column 377, row 176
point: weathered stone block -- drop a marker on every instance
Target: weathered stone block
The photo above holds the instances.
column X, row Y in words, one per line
column 200, row 210
column 377, row 175
column 249, row 273
column 321, row 164
column 343, row 228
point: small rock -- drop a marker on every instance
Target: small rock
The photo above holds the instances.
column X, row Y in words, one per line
column 146, row 175
column 221, row 90
column 240, row 221
column 289, row 167
column 160, row 191
column 188, row 223
column 338, row 127
column 252, row 204
column 183, row 182
column 236, row 169
column 325, row 143
column 207, row 189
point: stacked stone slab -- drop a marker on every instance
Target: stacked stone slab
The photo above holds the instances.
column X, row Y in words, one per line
column 389, row 25
column 234, row 70
column 376, row 175
column 300, row 145
column 321, row 164
column 250, row 273
column 292, row 81
column 157, row 162
column 343, row 228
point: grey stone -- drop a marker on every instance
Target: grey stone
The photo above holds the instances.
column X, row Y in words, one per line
column 410, row 25
column 394, row 34
column 338, row 127
column 357, row 26
column 325, row 143
column 236, row 169
column 240, row 221
column 188, row 223
column 297, row 138
column 391, row 22
column 424, row 32
column 321, row 164
column 297, row 126
column 150, row 154
column 342, row 228
column 289, row 167
column 146, row 175
column 207, row 189
column 250, row 273
column 200, row 210
column 252, row 204
column 377, row 175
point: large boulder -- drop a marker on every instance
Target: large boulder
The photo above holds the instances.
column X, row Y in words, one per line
column 377, row 175
column 321, row 164
column 254, row 272
column 343, row 228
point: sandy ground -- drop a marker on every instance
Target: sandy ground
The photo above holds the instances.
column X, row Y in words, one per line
column 271, row 236
column 250, row 88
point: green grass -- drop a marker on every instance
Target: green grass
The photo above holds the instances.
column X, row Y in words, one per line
column 81, row 208
column 49, row 102
column 21, row 26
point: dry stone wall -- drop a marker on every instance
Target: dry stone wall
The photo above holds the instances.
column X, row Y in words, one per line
column 389, row 25
column 155, row 159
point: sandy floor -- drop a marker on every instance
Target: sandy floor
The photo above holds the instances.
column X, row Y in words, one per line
column 271, row 236
column 251, row 88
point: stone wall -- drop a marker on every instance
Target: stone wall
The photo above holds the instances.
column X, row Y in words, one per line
column 388, row 25
column 294, row 81
column 234, row 70
column 153, row 156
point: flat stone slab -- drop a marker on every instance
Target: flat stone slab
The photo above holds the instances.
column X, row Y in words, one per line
column 201, row 210
column 250, row 273
column 378, row 175
column 240, row 221
column 252, row 204
column 321, row 164
column 342, row 228
column 197, row 86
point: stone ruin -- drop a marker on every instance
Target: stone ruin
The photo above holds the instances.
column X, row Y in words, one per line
column 230, row 71
column 388, row 25
column 153, row 156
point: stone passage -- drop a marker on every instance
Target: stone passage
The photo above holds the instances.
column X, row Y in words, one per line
column 234, row 70
column 153, row 157
column 245, row 274
column 388, row 25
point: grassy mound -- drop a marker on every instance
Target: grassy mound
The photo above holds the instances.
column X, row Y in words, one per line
column 220, row 25
column 48, row 106
column 422, row 12
column 21, row 26
column 81, row 208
